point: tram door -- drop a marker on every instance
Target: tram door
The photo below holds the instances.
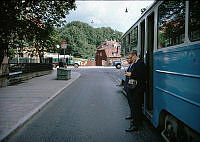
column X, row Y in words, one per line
column 142, row 39
column 142, row 47
column 149, row 62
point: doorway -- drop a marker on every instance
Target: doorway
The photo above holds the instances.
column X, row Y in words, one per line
column 149, row 62
column 142, row 39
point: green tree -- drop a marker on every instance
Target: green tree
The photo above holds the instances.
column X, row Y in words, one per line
column 25, row 20
column 83, row 39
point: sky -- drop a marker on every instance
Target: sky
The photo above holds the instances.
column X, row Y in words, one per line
column 108, row 13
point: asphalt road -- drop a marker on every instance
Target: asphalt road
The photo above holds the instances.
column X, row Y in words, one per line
column 91, row 109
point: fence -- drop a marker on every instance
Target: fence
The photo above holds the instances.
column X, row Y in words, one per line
column 29, row 60
column 30, row 67
column 24, row 68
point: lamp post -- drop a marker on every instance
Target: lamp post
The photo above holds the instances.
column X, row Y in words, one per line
column 64, row 46
column 64, row 55
column 126, row 10
column 58, row 46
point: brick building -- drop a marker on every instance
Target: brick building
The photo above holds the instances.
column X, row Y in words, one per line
column 108, row 52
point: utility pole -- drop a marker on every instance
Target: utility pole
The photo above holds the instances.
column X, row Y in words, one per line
column 58, row 46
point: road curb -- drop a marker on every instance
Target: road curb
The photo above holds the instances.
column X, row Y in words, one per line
column 25, row 119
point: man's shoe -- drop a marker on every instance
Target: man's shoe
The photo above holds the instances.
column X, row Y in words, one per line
column 129, row 117
column 132, row 129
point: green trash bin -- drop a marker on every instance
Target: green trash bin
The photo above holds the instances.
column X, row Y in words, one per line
column 63, row 74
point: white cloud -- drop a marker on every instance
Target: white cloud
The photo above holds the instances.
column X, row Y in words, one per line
column 108, row 13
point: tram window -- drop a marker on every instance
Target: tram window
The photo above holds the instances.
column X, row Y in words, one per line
column 129, row 42
column 134, row 38
column 171, row 23
column 123, row 45
column 126, row 44
column 129, row 38
column 194, row 20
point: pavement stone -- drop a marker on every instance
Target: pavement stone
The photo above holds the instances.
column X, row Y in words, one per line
column 18, row 103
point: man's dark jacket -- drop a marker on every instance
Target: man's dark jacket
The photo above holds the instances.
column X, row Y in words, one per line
column 138, row 72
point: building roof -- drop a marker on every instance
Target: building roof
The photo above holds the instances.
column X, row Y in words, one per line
column 111, row 48
column 107, row 44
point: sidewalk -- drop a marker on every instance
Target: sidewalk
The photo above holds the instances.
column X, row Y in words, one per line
column 20, row 102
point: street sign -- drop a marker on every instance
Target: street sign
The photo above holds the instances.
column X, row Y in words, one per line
column 63, row 44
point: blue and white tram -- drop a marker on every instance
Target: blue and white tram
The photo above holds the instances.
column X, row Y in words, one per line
column 167, row 36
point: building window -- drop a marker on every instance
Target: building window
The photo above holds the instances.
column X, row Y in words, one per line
column 113, row 54
column 171, row 23
column 118, row 48
column 194, row 20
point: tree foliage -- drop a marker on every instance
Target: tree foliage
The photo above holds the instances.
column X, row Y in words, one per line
column 171, row 23
column 30, row 21
column 83, row 39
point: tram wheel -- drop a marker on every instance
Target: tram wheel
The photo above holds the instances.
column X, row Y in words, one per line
column 181, row 134
column 170, row 131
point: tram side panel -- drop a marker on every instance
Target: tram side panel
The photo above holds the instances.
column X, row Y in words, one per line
column 176, row 84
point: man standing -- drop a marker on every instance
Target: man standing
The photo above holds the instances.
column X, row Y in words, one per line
column 135, row 85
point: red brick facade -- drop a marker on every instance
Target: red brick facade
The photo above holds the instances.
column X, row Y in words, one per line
column 108, row 52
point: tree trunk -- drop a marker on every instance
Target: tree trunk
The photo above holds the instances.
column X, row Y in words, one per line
column 3, row 50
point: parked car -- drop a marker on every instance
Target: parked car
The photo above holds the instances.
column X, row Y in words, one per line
column 77, row 64
column 117, row 64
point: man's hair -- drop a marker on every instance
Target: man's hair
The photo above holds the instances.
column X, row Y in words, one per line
column 133, row 52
